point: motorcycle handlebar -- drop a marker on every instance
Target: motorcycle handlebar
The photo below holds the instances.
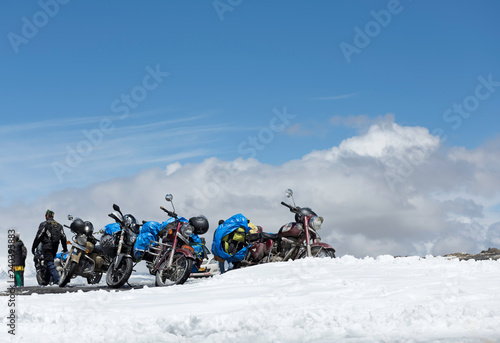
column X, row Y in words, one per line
column 292, row 209
column 170, row 213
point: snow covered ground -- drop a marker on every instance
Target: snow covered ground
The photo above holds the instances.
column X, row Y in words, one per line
column 346, row 299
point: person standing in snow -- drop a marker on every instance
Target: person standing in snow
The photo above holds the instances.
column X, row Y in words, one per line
column 20, row 253
column 49, row 234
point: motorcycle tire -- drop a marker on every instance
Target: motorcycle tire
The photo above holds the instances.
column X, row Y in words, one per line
column 318, row 252
column 95, row 278
column 177, row 274
column 41, row 278
column 67, row 273
column 115, row 278
column 332, row 253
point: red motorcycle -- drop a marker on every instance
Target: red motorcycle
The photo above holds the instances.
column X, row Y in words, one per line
column 300, row 239
column 294, row 240
column 175, row 256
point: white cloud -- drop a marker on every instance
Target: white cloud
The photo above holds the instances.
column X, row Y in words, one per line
column 436, row 205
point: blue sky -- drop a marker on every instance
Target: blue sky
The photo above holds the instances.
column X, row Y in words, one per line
column 225, row 78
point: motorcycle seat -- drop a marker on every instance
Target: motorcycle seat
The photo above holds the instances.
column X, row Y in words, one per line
column 262, row 236
column 266, row 236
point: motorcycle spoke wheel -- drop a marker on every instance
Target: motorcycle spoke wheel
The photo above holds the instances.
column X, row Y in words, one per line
column 177, row 274
column 67, row 273
column 319, row 252
column 116, row 278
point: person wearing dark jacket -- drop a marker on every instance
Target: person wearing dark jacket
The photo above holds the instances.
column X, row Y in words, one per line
column 50, row 233
column 20, row 253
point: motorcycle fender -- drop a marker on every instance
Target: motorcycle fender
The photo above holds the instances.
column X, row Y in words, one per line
column 185, row 252
column 76, row 257
column 118, row 260
column 324, row 245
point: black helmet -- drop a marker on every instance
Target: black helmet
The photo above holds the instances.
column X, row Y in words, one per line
column 77, row 226
column 305, row 211
column 200, row 224
column 131, row 222
column 89, row 228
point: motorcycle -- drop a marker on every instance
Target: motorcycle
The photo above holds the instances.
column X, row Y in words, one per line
column 300, row 239
column 178, row 249
column 85, row 257
column 119, row 248
column 43, row 275
column 294, row 240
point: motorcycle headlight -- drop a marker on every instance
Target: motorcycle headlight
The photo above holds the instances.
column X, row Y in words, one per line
column 316, row 222
column 131, row 237
column 187, row 230
column 82, row 240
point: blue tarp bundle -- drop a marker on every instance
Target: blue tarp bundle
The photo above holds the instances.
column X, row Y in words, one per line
column 62, row 256
column 111, row 228
column 197, row 245
column 171, row 220
column 230, row 225
column 149, row 232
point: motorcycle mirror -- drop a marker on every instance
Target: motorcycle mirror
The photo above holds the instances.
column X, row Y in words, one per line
column 289, row 193
column 169, row 197
column 116, row 207
column 70, row 217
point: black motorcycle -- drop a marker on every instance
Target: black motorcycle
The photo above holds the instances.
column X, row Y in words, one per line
column 120, row 247
column 43, row 275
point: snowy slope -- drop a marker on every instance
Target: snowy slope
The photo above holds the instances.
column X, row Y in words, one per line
column 313, row 300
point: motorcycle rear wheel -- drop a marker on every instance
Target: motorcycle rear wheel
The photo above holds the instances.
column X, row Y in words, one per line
column 177, row 274
column 41, row 277
column 115, row 278
column 95, row 278
column 67, row 273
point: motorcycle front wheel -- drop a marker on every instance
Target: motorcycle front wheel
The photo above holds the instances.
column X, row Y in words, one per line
column 177, row 273
column 319, row 252
column 115, row 278
column 67, row 273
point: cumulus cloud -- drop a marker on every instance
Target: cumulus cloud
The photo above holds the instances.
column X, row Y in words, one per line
column 393, row 189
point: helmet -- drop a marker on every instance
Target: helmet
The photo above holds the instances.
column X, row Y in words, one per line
column 200, row 224
column 305, row 211
column 89, row 228
column 77, row 226
column 131, row 222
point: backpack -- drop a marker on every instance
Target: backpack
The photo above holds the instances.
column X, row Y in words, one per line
column 53, row 230
column 234, row 242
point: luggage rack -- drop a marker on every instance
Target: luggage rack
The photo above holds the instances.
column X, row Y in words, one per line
column 156, row 247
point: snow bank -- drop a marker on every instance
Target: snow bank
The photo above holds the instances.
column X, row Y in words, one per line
column 382, row 299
